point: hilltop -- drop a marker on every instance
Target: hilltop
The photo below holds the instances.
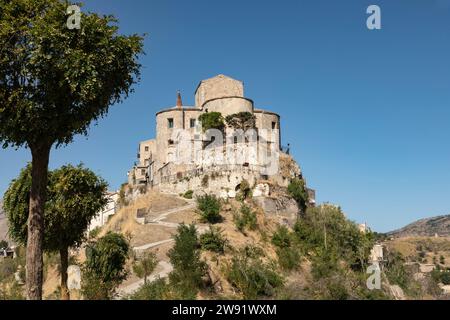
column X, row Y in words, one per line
column 427, row 227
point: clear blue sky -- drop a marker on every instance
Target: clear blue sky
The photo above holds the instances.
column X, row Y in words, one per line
column 366, row 112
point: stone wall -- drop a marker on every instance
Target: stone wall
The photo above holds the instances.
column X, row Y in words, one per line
column 217, row 87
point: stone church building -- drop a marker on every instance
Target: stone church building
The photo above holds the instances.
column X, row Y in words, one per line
column 184, row 157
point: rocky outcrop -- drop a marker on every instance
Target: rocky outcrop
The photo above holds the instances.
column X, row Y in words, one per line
column 283, row 207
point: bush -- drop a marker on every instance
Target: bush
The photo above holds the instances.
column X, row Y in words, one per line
column 188, row 269
column 281, row 238
column 244, row 192
column 297, row 190
column 288, row 258
column 145, row 265
column 94, row 232
column 104, row 268
column 253, row 277
column 213, row 240
column 209, row 206
column 188, row 194
column 212, row 120
column 246, row 219
column 155, row 290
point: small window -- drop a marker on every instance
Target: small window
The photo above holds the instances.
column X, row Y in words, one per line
column 170, row 122
column 143, row 172
column 235, row 139
column 192, row 123
column 171, row 142
column 274, row 125
column 146, row 148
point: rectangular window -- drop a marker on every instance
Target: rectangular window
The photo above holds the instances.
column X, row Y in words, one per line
column 143, row 172
column 192, row 124
column 170, row 122
column 146, row 148
column 170, row 142
column 274, row 125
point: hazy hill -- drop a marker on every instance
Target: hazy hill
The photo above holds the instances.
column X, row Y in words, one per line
column 425, row 227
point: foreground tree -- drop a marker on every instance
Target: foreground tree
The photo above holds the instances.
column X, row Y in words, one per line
column 74, row 196
column 188, row 268
column 145, row 265
column 53, row 83
column 104, row 269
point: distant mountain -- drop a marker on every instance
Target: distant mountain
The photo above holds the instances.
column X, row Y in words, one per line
column 425, row 227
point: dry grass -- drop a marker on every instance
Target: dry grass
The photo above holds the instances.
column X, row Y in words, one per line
column 433, row 247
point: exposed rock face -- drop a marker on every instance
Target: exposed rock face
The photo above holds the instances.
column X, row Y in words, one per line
column 283, row 207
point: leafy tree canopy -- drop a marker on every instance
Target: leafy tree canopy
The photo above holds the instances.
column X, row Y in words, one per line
column 212, row 120
column 55, row 81
column 75, row 195
column 241, row 120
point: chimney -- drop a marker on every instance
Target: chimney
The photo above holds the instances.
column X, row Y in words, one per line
column 179, row 102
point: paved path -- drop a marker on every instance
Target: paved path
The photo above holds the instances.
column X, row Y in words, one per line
column 166, row 266
column 133, row 287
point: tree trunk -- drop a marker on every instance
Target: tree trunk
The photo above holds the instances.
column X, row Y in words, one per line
column 40, row 157
column 64, row 255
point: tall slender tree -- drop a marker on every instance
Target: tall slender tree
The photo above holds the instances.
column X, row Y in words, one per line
column 54, row 82
column 74, row 196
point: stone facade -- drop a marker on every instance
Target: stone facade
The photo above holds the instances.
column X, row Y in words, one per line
column 177, row 159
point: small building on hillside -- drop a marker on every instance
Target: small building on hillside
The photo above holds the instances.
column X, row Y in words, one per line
column 102, row 217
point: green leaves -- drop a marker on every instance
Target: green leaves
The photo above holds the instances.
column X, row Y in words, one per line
column 74, row 196
column 54, row 81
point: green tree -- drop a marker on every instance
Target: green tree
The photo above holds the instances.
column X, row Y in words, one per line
column 104, row 269
column 297, row 190
column 241, row 120
column 145, row 265
column 212, row 120
column 209, row 208
column 54, row 82
column 213, row 240
column 188, row 269
column 74, row 196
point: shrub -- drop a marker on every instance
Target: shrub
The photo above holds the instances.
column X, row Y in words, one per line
column 445, row 278
column 288, row 258
column 212, row 120
column 145, row 265
column 213, row 240
column 94, row 232
column 245, row 219
column 297, row 190
column 155, row 290
column 281, row 238
column 244, row 192
column 188, row 194
column 188, row 269
column 209, row 206
column 104, row 268
column 241, row 120
column 253, row 277
column 442, row 259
